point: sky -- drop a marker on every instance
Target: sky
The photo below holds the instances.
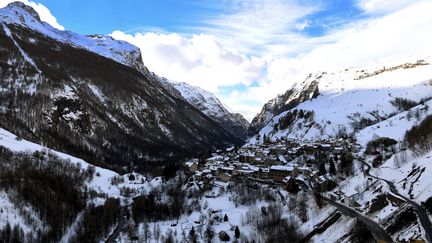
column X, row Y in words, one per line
column 249, row 51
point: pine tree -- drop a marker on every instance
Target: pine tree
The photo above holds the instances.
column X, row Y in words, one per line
column 237, row 232
column 209, row 233
column 7, row 232
column 192, row 235
column 332, row 168
column 322, row 169
column 156, row 232
column 147, row 233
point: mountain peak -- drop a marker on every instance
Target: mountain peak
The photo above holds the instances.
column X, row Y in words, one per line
column 18, row 13
column 21, row 9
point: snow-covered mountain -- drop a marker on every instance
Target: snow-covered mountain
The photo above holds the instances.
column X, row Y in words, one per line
column 347, row 102
column 210, row 105
column 299, row 93
column 17, row 13
column 92, row 96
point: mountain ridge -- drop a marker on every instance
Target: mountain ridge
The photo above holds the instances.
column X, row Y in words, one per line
column 210, row 105
column 84, row 91
column 346, row 101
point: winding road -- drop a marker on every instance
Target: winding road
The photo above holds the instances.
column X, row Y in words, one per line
column 421, row 212
column 120, row 226
column 378, row 233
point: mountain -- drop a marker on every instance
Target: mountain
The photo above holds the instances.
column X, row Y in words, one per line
column 210, row 105
column 23, row 15
column 299, row 93
column 92, row 96
column 347, row 103
column 346, row 154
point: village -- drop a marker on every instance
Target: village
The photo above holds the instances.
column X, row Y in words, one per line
column 293, row 165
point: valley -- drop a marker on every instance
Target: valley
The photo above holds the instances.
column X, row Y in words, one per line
column 95, row 147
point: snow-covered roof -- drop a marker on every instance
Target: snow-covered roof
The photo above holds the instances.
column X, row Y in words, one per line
column 228, row 168
column 216, row 157
column 242, row 171
column 190, row 163
column 282, row 167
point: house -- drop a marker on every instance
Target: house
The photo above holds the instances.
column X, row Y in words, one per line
column 325, row 147
column 291, row 184
column 207, row 179
column 262, row 173
column 224, row 177
column 191, row 166
column 198, row 175
column 279, row 172
column 325, row 183
column 338, row 150
column 244, row 172
column 246, row 158
column 228, row 169
column 348, row 201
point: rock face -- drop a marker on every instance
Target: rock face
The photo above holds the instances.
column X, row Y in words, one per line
column 92, row 96
column 210, row 105
column 304, row 91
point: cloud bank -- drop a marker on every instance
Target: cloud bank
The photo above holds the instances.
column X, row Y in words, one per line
column 200, row 59
column 257, row 48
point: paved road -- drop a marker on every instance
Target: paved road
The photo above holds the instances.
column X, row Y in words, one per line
column 421, row 212
column 378, row 233
column 120, row 226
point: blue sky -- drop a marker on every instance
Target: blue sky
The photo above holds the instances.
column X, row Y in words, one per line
column 105, row 16
column 249, row 51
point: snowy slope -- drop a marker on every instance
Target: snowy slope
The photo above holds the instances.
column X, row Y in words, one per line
column 20, row 213
column 354, row 99
column 100, row 183
column 18, row 13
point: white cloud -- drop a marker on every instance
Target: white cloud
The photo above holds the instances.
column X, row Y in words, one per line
column 199, row 60
column 303, row 25
column 382, row 6
column 396, row 37
column 260, row 26
column 44, row 13
column 399, row 32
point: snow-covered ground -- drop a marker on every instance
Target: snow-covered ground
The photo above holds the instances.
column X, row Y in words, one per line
column 10, row 213
column 419, row 182
column 101, row 182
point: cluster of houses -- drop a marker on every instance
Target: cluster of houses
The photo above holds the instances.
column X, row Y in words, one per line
column 384, row 69
column 289, row 163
